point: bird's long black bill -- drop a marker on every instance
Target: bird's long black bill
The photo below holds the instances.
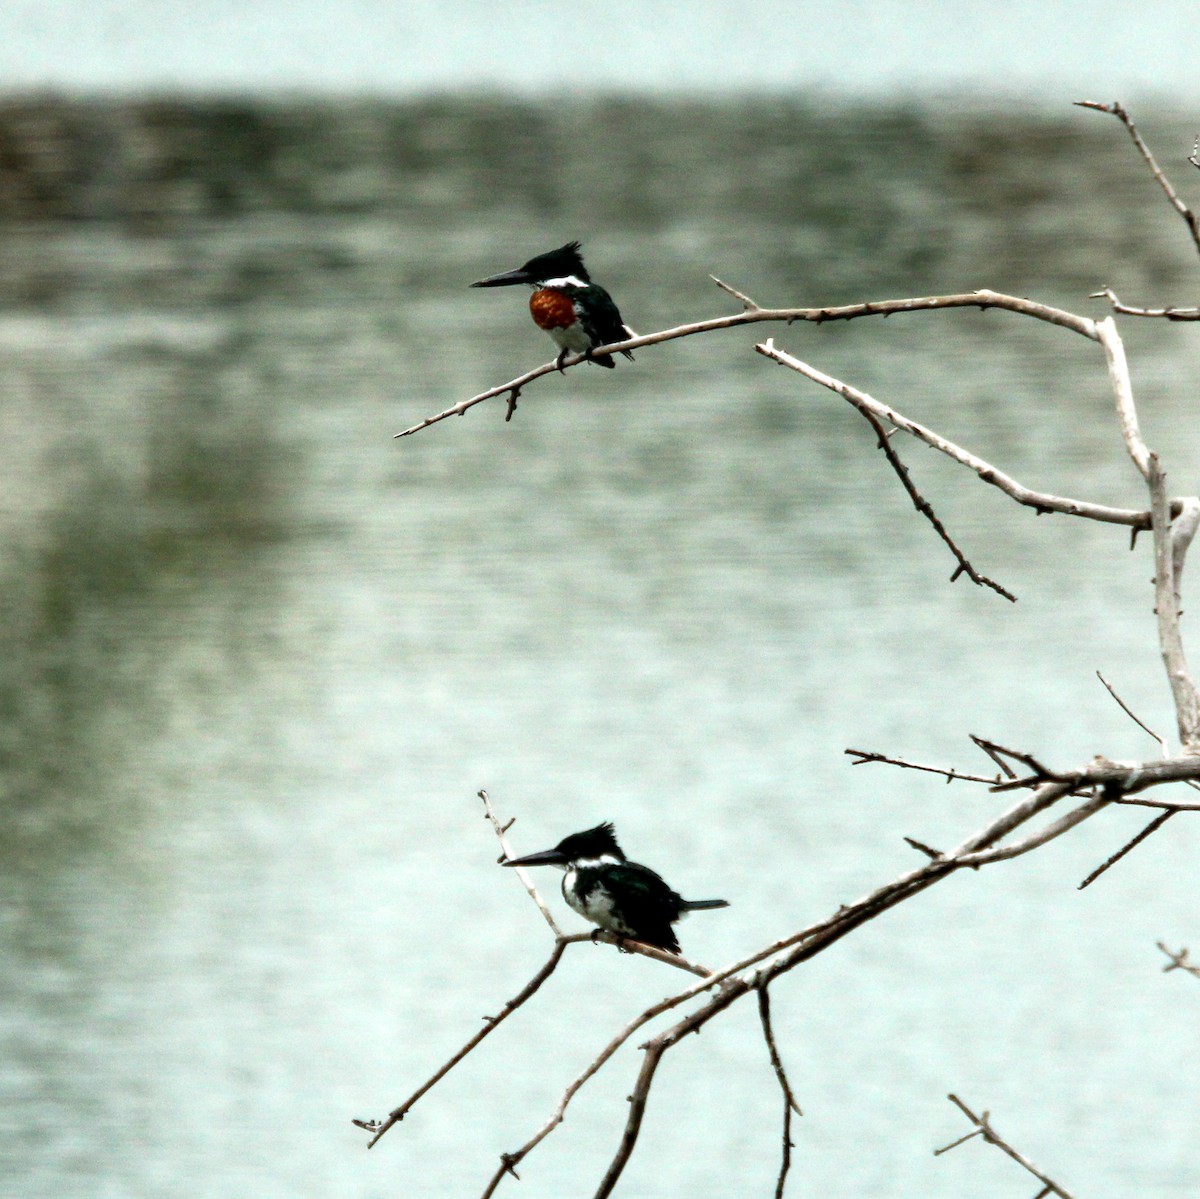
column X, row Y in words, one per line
column 503, row 280
column 701, row 905
column 548, row 857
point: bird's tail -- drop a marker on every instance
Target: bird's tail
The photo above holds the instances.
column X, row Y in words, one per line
column 698, row 905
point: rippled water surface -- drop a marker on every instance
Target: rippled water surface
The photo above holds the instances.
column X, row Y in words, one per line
column 258, row 657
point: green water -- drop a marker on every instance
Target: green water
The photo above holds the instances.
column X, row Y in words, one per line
column 258, row 657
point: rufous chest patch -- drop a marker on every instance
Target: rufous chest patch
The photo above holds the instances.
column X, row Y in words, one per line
column 551, row 309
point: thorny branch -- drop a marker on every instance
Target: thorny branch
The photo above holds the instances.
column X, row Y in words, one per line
column 864, row 756
column 1152, row 827
column 924, row 507
column 1170, row 314
column 1039, row 501
column 753, row 313
column 790, row 1106
column 984, row 1128
column 1119, row 111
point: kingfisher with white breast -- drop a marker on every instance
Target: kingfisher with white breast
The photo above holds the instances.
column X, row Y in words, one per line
column 603, row 886
column 577, row 313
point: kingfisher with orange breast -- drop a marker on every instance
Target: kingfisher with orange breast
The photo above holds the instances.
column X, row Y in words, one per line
column 579, row 314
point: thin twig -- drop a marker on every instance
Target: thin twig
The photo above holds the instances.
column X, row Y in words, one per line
column 790, row 1105
column 865, row 756
column 1170, row 314
column 983, row 1127
column 379, row 1127
column 523, row 874
column 925, row 508
column 1118, row 110
column 1162, row 741
column 1152, row 827
column 998, row 758
column 998, row 752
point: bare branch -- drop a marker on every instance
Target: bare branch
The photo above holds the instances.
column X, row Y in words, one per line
column 1152, row 827
column 633, row 1124
column 1119, row 111
column 522, row 873
column 1128, row 777
column 998, row 753
column 924, row 507
column 1179, row 961
column 984, row 1128
column 752, row 314
column 1162, row 741
column 1039, row 501
column 927, row 850
column 1118, row 373
column 864, row 756
column 1168, row 805
column 1170, row 314
column 1055, row 829
column 998, row 757
column 789, row 1099
column 379, row 1127
column 747, row 303
column 1166, row 609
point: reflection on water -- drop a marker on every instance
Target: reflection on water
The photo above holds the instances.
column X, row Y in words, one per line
column 257, row 657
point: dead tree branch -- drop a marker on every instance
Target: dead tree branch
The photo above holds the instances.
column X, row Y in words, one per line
column 984, row 1129
column 1162, row 741
column 523, row 874
column 753, row 313
column 924, row 507
column 1170, row 314
column 1119, row 111
column 865, row 756
column 378, row 1127
column 1168, row 560
column 1152, row 827
column 790, row 1106
column 1039, row 501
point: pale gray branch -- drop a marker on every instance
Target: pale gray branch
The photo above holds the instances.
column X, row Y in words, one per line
column 1038, row 500
column 753, row 313
column 1167, row 611
column 1162, row 741
column 522, row 873
column 1118, row 110
column 984, row 1128
column 1170, row 314
column 1118, row 373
